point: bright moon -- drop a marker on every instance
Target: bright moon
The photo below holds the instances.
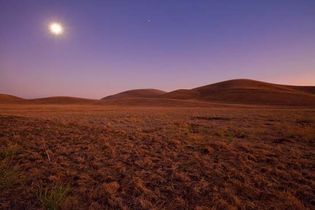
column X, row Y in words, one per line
column 56, row 28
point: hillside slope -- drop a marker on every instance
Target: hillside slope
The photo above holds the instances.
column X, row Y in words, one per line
column 244, row 91
column 136, row 93
column 62, row 100
column 239, row 91
column 5, row 98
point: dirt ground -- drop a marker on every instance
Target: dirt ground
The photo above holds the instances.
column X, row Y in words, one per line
column 106, row 157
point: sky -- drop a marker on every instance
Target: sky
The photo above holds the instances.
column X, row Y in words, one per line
column 110, row 46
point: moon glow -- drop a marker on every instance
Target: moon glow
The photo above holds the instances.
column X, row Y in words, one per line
column 56, row 28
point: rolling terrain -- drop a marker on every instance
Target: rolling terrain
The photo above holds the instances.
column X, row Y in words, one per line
column 7, row 99
column 240, row 91
column 238, row 144
column 136, row 93
column 4, row 98
column 62, row 100
column 245, row 91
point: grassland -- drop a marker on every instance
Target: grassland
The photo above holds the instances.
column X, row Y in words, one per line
column 117, row 157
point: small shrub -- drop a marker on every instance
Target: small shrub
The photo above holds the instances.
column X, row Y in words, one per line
column 198, row 128
column 204, row 150
column 219, row 118
column 52, row 199
column 8, row 151
column 193, row 128
column 8, row 175
column 240, row 134
column 230, row 136
column 304, row 122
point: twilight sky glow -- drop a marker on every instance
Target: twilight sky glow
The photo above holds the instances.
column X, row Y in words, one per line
column 114, row 45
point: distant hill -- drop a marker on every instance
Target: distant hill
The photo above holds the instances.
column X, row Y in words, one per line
column 4, row 98
column 163, row 102
column 244, row 91
column 238, row 91
column 62, row 100
column 136, row 93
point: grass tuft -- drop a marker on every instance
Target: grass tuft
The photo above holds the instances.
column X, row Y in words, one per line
column 9, row 151
column 8, row 175
column 52, row 198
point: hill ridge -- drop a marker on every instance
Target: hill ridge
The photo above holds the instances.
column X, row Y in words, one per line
column 235, row 91
column 142, row 93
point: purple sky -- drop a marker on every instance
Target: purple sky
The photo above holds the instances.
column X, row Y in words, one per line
column 111, row 46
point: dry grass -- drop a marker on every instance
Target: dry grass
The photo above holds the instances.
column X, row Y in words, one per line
column 8, row 175
column 9, row 151
column 53, row 198
column 157, row 158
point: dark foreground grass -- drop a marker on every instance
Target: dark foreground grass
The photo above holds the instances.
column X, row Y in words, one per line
column 156, row 158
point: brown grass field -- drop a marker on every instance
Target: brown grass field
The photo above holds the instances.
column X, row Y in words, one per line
column 118, row 157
